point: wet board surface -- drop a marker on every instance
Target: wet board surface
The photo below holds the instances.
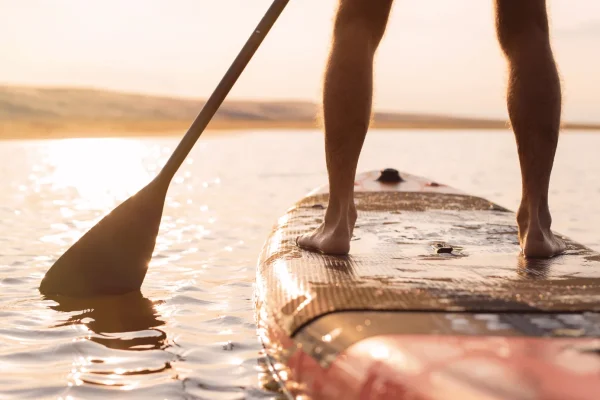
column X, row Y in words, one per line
column 426, row 259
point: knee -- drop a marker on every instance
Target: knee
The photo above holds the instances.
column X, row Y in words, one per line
column 367, row 18
column 522, row 26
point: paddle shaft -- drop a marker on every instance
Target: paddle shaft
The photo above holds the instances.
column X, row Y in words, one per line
column 223, row 89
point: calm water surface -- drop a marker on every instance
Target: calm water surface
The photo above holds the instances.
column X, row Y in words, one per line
column 191, row 334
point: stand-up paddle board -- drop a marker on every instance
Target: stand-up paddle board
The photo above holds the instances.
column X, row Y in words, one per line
column 433, row 302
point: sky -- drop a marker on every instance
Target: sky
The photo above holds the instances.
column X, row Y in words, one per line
column 438, row 56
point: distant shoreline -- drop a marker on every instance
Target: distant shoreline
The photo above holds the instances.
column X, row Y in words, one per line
column 54, row 113
column 14, row 130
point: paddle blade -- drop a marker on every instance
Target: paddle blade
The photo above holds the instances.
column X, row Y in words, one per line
column 113, row 256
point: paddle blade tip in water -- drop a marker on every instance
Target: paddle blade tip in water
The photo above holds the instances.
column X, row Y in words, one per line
column 113, row 256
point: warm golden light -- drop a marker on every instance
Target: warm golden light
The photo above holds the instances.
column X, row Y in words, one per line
column 294, row 288
column 103, row 172
column 183, row 48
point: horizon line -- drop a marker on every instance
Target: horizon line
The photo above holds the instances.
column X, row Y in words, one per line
column 289, row 100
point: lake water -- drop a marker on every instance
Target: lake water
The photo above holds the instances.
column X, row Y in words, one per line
column 192, row 333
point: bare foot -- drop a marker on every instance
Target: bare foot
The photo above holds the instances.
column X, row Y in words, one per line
column 536, row 237
column 334, row 234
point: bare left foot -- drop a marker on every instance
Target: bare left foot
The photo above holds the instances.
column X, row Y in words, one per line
column 334, row 234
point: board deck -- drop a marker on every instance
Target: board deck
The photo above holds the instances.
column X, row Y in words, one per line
column 429, row 267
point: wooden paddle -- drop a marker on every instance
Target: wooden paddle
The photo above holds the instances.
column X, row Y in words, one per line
column 113, row 256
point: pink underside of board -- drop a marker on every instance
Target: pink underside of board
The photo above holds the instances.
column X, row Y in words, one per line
column 424, row 367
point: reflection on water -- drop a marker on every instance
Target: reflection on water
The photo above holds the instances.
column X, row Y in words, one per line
column 191, row 331
column 101, row 171
column 126, row 322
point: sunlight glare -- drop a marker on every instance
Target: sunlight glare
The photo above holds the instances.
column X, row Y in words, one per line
column 102, row 171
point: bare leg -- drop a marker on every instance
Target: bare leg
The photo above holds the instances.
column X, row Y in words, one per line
column 359, row 27
column 534, row 106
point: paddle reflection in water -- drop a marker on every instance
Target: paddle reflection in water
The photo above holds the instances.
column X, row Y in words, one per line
column 125, row 322
column 123, row 348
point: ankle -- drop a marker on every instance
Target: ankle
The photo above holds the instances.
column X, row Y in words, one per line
column 534, row 216
column 340, row 204
column 340, row 216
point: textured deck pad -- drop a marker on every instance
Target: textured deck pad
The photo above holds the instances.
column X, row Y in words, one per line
column 395, row 264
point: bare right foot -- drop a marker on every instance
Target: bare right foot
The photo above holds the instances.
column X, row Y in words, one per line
column 334, row 234
column 535, row 235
